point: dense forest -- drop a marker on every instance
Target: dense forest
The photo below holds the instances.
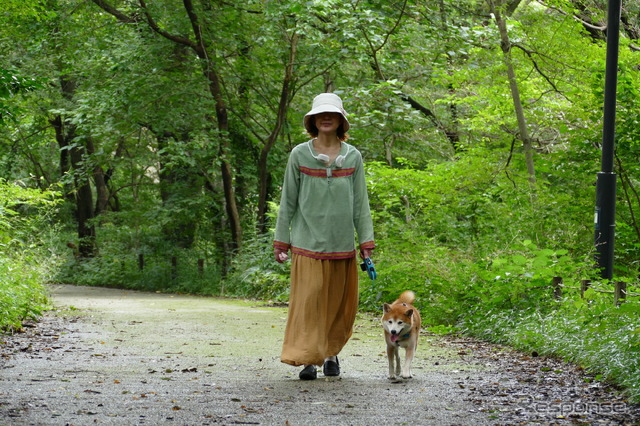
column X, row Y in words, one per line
column 142, row 145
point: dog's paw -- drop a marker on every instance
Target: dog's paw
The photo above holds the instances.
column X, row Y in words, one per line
column 392, row 377
column 406, row 376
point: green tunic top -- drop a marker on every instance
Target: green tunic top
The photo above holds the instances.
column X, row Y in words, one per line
column 322, row 206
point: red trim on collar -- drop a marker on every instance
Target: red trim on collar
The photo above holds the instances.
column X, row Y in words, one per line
column 323, row 172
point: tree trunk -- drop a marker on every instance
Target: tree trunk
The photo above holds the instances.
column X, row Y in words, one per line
column 102, row 192
column 84, row 207
column 64, row 160
column 263, row 170
column 222, row 116
column 71, row 161
column 515, row 92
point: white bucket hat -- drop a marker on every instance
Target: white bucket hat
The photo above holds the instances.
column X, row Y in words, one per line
column 326, row 102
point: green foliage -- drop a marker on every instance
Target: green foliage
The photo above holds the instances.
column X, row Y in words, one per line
column 140, row 258
column 12, row 84
column 22, row 295
column 255, row 273
column 521, row 278
column 24, row 213
column 447, row 233
column 592, row 332
column 157, row 274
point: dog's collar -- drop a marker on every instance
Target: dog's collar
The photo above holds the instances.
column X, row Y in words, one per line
column 404, row 336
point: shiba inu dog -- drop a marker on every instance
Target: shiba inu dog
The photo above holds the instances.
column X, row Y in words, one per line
column 401, row 323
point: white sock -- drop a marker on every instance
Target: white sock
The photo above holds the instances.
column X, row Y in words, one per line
column 330, row 358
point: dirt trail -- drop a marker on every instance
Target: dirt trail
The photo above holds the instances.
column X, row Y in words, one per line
column 119, row 357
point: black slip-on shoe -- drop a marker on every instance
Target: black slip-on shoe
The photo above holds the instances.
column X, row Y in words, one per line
column 331, row 368
column 309, row 373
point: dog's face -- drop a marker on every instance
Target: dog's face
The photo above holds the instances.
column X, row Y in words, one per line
column 396, row 320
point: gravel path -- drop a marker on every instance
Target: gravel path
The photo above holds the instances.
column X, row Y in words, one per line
column 118, row 357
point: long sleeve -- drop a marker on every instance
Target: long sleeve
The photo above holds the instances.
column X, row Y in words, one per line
column 361, row 210
column 288, row 204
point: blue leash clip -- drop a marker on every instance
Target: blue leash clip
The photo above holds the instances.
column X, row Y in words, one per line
column 368, row 267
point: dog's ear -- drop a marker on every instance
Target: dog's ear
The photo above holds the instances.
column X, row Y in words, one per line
column 409, row 312
column 386, row 307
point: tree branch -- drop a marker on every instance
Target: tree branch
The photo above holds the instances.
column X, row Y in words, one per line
column 197, row 29
column 154, row 26
column 122, row 17
column 419, row 107
column 374, row 50
column 395, row 26
column 128, row 19
column 587, row 24
column 530, row 54
column 626, row 185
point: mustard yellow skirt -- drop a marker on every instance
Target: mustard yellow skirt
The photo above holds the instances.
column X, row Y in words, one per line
column 322, row 309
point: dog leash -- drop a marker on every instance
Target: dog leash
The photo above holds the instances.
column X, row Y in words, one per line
column 369, row 268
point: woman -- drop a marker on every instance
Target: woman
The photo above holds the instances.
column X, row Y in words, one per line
column 324, row 200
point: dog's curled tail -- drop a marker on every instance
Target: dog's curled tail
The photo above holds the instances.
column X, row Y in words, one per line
column 407, row 297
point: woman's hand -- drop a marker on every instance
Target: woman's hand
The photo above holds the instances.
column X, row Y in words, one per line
column 365, row 253
column 280, row 255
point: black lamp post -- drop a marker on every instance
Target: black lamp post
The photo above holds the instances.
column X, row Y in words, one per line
column 606, row 183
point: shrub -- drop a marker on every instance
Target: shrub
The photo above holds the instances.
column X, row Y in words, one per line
column 23, row 215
